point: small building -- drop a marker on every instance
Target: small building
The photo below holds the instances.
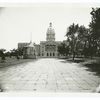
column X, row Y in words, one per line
column 29, row 51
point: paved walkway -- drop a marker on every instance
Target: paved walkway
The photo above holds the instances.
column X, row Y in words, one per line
column 48, row 75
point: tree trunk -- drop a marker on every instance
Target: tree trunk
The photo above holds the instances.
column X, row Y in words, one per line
column 73, row 55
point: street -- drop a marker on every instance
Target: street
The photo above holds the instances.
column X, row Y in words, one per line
column 48, row 75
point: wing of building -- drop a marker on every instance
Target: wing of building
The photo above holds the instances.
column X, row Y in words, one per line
column 48, row 48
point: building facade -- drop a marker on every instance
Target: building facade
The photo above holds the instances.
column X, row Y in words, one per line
column 48, row 48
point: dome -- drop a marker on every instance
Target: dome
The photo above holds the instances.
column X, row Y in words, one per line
column 50, row 36
column 50, row 30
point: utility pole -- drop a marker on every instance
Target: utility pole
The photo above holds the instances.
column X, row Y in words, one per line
column 31, row 37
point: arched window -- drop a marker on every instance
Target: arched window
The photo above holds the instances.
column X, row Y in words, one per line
column 47, row 54
column 53, row 54
column 50, row 54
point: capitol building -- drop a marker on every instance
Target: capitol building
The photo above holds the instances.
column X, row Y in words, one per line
column 48, row 48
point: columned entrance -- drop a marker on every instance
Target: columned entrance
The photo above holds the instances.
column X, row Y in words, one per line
column 47, row 54
column 50, row 54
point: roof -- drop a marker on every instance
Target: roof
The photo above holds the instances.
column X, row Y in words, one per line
column 30, row 45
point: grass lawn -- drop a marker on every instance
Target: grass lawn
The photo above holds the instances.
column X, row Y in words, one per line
column 93, row 64
column 13, row 61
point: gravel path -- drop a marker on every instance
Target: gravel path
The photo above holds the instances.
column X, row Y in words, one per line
column 48, row 75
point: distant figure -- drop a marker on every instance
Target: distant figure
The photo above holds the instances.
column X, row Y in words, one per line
column 1, row 90
column 98, row 89
column 17, row 57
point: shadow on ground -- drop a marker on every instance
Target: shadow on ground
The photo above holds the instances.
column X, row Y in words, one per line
column 71, row 61
column 77, row 60
column 94, row 67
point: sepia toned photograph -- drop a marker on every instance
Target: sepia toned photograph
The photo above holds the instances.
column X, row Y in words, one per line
column 50, row 48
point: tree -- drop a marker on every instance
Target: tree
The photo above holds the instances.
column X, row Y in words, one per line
column 72, row 34
column 7, row 54
column 95, row 23
column 63, row 49
column 20, row 52
column 15, row 53
column 2, row 54
column 95, row 30
column 80, row 41
column 83, row 38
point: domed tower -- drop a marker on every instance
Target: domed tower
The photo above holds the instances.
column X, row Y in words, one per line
column 50, row 33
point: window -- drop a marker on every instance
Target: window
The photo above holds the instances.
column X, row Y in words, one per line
column 50, row 54
column 47, row 54
column 53, row 54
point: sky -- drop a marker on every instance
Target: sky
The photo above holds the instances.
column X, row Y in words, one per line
column 18, row 22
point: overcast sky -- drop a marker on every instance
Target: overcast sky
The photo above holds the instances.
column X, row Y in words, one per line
column 16, row 23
